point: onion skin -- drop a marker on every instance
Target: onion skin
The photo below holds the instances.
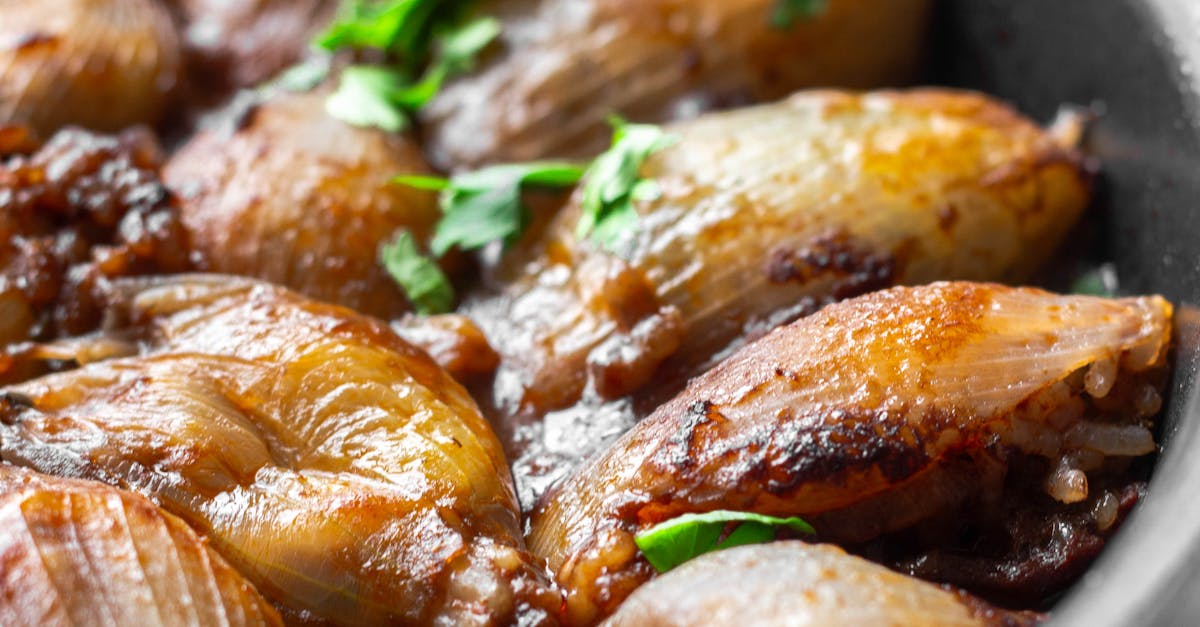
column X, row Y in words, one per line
column 865, row 418
column 336, row 466
column 563, row 67
column 765, row 214
column 83, row 553
column 797, row 584
column 101, row 64
column 296, row 197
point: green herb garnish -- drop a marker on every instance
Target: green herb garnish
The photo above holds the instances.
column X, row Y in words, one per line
column 419, row 276
column 484, row 206
column 788, row 12
column 424, row 43
column 613, row 183
column 455, row 52
column 1099, row 281
column 398, row 27
column 369, row 96
column 671, row 543
column 477, row 208
column 457, row 47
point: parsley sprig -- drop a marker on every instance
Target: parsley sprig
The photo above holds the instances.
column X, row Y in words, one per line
column 424, row 43
column 396, row 26
column 419, row 276
column 485, row 206
column 673, row 542
column 1098, row 281
column 477, row 208
column 613, row 182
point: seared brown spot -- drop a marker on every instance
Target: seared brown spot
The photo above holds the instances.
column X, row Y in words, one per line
column 11, row 406
column 677, row 453
column 796, row 450
column 856, row 268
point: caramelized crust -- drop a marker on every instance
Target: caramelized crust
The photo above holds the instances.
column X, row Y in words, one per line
column 258, row 445
column 870, row 416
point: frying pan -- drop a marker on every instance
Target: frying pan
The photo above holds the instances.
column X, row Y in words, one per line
column 1134, row 63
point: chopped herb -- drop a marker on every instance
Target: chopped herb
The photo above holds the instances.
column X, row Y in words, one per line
column 413, row 34
column 485, row 206
column 420, row 181
column 399, row 27
column 368, row 96
column 419, row 276
column 477, row 208
column 1099, row 281
column 671, row 543
column 455, row 54
column 788, row 12
column 457, row 47
column 613, row 183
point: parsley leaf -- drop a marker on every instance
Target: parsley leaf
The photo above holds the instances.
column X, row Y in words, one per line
column 477, row 208
column 367, row 96
column 613, row 183
column 419, row 276
column 399, row 27
column 673, row 542
column 1099, row 281
column 484, row 206
column 413, row 34
column 457, row 47
column 788, row 12
column 455, row 54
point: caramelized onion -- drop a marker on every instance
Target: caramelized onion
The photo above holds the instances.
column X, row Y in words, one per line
column 898, row 408
column 766, row 214
column 294, row 196
column 83, row 553
column 561, row 68
column 336, row 466
column 101, row 64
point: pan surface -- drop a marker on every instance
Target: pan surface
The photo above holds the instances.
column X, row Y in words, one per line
column 1134, row 63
